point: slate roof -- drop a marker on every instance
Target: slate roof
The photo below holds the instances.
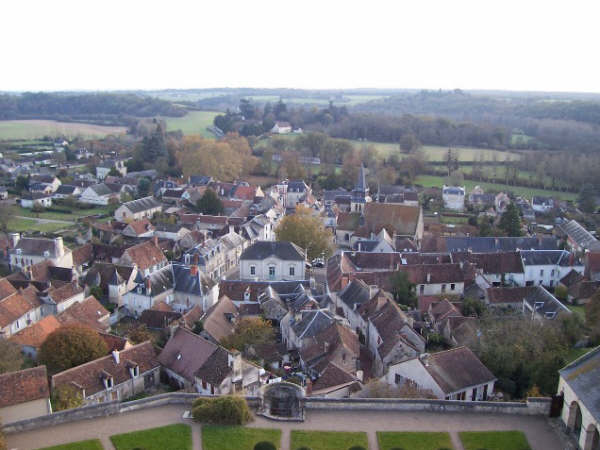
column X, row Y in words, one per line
column 235, row 289
column 498, row 244
column 23, row 386
column 580, row 235
column 457, row 369
column 160, row 280
column 90, row 375
column 102, row 274
column 287, row 251
column 544, row 303
column 66, row 189
column 312, row 323
column 297, row 186
column 582, row 376
column 356, row 293
column 101, row 189
column 142, row 204
column 184, row 281
column 545, row 257
column 36, row 246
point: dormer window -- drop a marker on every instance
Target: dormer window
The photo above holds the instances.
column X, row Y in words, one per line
column 134, row 371
column 46, row 254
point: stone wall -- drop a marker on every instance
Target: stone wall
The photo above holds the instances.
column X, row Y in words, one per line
column 533, row 406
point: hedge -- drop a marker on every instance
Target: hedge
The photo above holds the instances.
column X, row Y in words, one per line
column 226, row 410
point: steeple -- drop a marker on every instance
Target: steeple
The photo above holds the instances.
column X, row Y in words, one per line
column 360, row 193
column 361, row 182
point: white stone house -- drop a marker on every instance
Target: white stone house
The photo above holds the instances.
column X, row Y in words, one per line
column 36, row 198
column 454, row 197
column 273, row 260
column 548, row 267
column 28, row 251
column 143, row 208
column 281, row 128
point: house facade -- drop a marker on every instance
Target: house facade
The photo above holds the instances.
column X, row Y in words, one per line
column 24, row 395
column 273, row 260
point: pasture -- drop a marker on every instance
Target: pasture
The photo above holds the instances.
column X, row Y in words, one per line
column 194, row 122
column 35, row 129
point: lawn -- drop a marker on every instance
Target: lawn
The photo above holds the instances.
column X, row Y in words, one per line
column 435, row 181
column 20, row 225
column 328, row 440
column 16, row 210
column 575, row 353
column 413, row 440
column 438, row 153
column 579, row 310
column 34, row 129
column 237, row 438
column 177, row 437
column 194, row 122
column 92, row 444
column 494, row 440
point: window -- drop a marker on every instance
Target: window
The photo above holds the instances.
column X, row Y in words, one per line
column 541, row 272
column 398, row 379
column 452, row 286
column 422, row 288
column 443, row 288
column 252, row 270
column 347, row 237
column 292, row 271
column 271, row 271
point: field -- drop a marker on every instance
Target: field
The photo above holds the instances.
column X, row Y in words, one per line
column 53, row 215
column 35, row 129
column 194, row 122
column 327, row 440
column 435, row 181
column 494, row 440
column 413, row 440
column 237, row 438
column 21, row 225
column 172, row 436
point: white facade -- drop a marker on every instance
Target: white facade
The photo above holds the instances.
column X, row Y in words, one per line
column 456, row 288
column 454, row 197
column 273, row 269
column 28, row 203
column 90, row 196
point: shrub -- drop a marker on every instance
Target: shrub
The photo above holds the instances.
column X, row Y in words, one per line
column 304, row 448
column 265, row 445
column 2, row 441
column 226, row 410
column 357, row 447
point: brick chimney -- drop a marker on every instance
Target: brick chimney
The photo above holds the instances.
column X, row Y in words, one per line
column 116, row 356
column 155, row 240
column 58, row 245
column 14, row 239
column 148, row 286
column 194, row 270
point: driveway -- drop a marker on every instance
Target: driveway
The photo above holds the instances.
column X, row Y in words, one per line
column 540, row 434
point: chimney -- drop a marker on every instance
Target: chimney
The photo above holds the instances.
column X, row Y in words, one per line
column 308, row 387
column 155, row 240
column 58, row 245
column 360, row 375
column 325, row 346
column 461, row 264
column 29, row 272
column 14, row 239
column 247, row 294
column 196, row 259
column 428, row 277
column 148, row 286
column 424, row 357
column 115, row 354
column 231, row 229
column 193, row 270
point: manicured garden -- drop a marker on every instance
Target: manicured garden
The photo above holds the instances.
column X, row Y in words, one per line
column 216, row 437
column 177, row 436
column 328, row 440
column 92, row 444
column 413, row 440
column 494, row 440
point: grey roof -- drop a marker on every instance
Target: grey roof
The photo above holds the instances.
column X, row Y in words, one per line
column 539, row 200
column 580, row 235
column 142, row 204
column 198, row 284
column 312, row 323
column 200, row 180
column 361, row 182
column 451, row 190
column 499, row 244
column 582, row 376
column 482, row 198
column 281, row 249
column 544, row 303
column 331, row 195
column 160, row 281
column 356, row 292
column 545, row 257
column 65, row 189
column 297, row 186
column 101, row 189
column 365, row 245
column 35, row 196
column 36, row 246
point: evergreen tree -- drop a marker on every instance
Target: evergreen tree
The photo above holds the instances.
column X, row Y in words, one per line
column 510, row 222
column 402, row 289
column 209, row 203
column 587, row 199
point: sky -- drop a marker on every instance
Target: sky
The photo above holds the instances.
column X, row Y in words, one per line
column 128, row 44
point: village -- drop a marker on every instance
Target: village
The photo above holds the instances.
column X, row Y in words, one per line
column 397, row 303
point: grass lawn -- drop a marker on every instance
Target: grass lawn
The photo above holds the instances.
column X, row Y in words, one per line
column 435, row 181
column 194, row 122
column 20, row 225
column 237, row 438
column 328, row 440
column 575, row 353
column 438, row 153
column 33, row 129
column 16, row 210
column 413, row 440
column 177, row 436
column 92, row 444
column 494, row 440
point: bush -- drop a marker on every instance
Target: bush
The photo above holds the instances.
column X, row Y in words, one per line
column 265, row 445
column 226, row 410
column 2, row 441
column 357, row 447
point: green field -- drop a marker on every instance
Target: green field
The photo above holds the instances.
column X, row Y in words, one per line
column 435, row 181
column 22, row 225
column 75, row 214
column 172, row 436
column 34, row 129
column 237, row 438
column 494, row 440
column 92, row 444
column 413, row 440
column 194, row 122
column 327, row 440
column 436, row 153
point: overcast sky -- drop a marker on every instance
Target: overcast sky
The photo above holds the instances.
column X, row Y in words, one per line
column 103, row 45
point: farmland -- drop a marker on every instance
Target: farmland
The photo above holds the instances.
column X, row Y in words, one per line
column 194, row 122
column 35, row 129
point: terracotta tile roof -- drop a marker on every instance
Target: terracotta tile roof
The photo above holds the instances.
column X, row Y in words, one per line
column 36, row 334
column 158, row 319
column 6, row 288
column 592, row 263
column 216, row 368
column 23, row 386
column 83, row 254
column 348, row 221
column 424, row 301
column 389, row 322
column 90, row 312
column 89, row 376
column 332, row 378
column 245, row 192
column 443, row 309
column 114, row 342
column 508, row 295
column 395, row 218
column 193, row 316
column 493, row 263
column 16, row 306
column 584, row 289
column 326, row 343
column 216, row 320
column 65, row 292
column 140, row 226
column 145, row 255
column 571, row 278
column 456, row 369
